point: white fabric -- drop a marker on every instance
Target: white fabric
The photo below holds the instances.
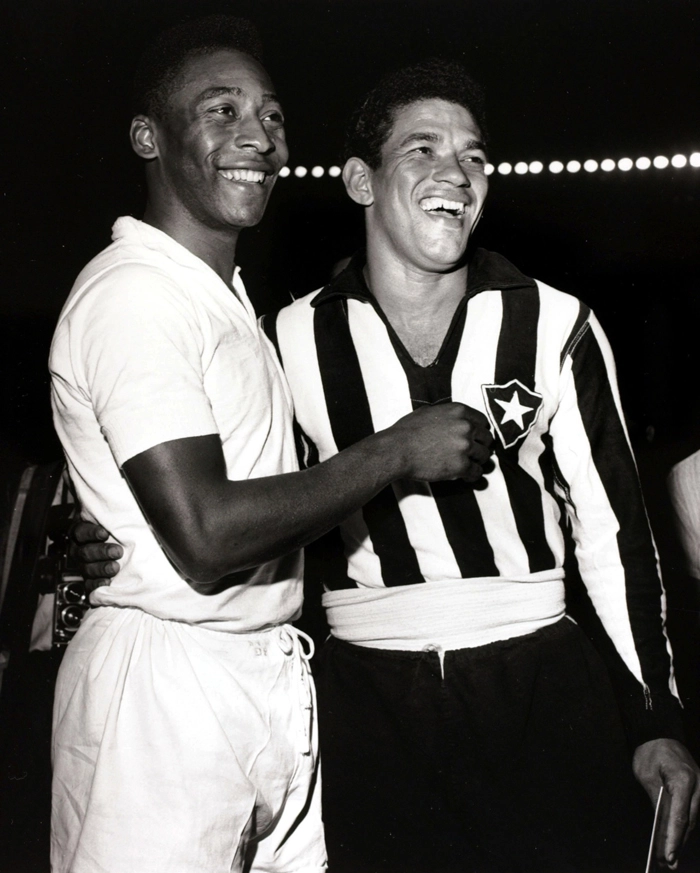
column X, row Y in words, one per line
column 233, row 778
column 684, row 487
column 446, row 615
column 152, row 346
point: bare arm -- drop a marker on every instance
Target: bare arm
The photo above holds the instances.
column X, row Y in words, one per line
column 210, row 526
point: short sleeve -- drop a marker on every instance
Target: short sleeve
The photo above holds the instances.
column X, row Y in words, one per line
column 139, row 345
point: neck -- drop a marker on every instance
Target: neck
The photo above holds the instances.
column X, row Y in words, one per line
column 406, row 293
column 420, row 305
column 217, row 248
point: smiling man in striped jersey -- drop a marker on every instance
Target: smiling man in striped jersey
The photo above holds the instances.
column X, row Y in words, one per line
column 467, row 724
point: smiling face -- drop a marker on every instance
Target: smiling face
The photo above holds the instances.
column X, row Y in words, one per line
column 428, row 193
column 220, row 145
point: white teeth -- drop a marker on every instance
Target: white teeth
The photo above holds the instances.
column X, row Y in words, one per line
column 440, row 204
column 243, row 176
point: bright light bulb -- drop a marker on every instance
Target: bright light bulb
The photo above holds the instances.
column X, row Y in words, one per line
column 660, row 162
column 607, row 165
column 695, row 159
column 488, row 169
column 679, row 160
column 504, row 168
column 573, row 166
column 334, row 172
column 300, row 172
column 642, row 163
column 317, row 172
column 536, row 167
column 556, row 167
column 625, row 164
column 590, row 166
column 284, row 172
column 520, row 168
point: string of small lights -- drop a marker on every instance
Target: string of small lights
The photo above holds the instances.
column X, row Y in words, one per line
column 521, row 168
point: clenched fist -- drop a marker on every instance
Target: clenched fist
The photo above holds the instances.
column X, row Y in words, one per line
column 447, row 441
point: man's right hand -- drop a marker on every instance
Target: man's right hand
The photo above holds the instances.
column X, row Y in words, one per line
column 98, row 557
column 447, row 441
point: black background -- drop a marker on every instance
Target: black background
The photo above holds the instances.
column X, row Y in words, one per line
column 579, row 79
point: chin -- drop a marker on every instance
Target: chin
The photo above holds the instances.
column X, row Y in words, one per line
column 445, row 261
column 245, row 217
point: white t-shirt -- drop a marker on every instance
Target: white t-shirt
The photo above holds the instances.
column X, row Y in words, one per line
column 152, row 346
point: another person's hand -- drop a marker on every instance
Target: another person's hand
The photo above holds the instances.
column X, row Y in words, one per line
column 668, row 763
column 98, row 557
column 445, row 441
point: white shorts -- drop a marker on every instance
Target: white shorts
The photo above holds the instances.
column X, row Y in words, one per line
column 183, row 750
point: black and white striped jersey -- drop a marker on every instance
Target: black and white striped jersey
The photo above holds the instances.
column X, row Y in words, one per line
column 536, row 362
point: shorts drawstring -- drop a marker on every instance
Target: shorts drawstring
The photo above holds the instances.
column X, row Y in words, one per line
column 290, row 642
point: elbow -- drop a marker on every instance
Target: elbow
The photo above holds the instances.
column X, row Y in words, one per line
column 199, row 568
column 201, row 576
column 204, row 555
column 202, row 567
column 194, row 556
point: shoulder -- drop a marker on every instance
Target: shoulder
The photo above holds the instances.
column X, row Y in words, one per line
column 304, row 302
column 123, row 284
column 564, row 313
column 558, row 301
column 122, row 302
column 298, row 311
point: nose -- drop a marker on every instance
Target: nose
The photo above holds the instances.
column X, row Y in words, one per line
column 251, row 134
column 451, row 170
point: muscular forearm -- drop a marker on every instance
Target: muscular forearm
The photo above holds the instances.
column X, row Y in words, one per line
column 211, row 527
column 229, row 526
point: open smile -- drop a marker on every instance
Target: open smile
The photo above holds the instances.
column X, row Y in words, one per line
column 257, row 177
column 441, row 206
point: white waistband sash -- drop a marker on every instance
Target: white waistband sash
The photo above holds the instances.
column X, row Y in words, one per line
column 452, row 614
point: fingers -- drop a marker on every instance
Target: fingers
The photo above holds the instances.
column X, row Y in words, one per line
column 676, row 830
column 87, row 532
column 478, row 452
column 96, row 570
column 473, row 474
column 685, row 796
column 477, row 419
column 480, row 429
column 100, row 552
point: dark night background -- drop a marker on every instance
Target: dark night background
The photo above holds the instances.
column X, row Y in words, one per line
column 574, row 80
column 564, row 80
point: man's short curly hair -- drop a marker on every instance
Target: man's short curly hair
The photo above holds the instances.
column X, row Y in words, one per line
column 162, row 62
column 371, row 124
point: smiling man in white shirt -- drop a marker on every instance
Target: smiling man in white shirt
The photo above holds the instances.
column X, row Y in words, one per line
column 185, row 734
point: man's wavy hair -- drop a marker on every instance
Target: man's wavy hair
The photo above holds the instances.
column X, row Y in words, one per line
column 162, row 62
column 370, row 125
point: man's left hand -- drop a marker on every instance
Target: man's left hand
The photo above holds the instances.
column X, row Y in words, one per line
column 668, row 763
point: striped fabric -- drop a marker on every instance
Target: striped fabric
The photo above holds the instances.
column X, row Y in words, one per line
column 537, row 363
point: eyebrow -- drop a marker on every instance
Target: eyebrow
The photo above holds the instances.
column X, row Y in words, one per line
column 419, row 137
column 433, row 137
column 225, row 90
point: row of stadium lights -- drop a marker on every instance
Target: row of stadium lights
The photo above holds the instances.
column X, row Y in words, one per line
column 660, row 162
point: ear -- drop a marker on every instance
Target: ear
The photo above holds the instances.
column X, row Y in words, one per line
column 357, row 177
column 143, row 138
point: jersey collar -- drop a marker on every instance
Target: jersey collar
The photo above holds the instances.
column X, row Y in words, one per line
column 488, row 271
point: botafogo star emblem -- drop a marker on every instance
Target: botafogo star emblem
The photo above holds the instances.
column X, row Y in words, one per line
column 513, row 409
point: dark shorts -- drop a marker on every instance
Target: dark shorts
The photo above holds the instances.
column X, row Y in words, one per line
column 514, row 762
